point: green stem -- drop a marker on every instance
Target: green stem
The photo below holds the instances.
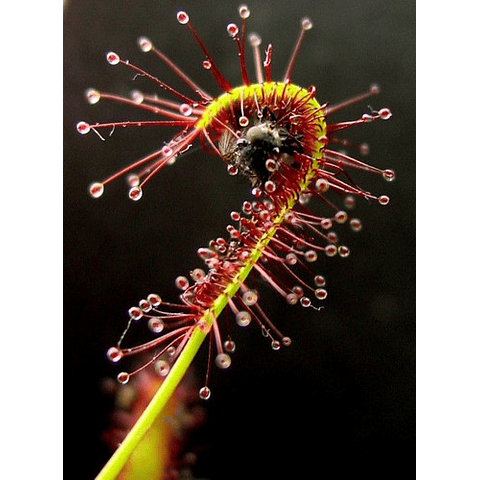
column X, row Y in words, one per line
column 118, row 460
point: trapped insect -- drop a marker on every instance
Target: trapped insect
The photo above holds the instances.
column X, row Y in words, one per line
column 277, row 135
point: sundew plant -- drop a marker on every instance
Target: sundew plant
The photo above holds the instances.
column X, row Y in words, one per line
column 278, row 136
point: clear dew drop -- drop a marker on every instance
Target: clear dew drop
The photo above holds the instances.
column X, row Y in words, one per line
column 123, row 377
column 243, row 121
column 229, row 346
column 349, row 201
column 271, row 165
column 330, row 250
column 137, row 96
column 389, row 175
column 243, row 318
column 243, row 11
column 162, row 368
column 185, row 109
column 343, row 251
column 183, row 18
column 256, row 192
column 291, row 299
column 250, row 298
column 114, row 354
column 232, row 170
column 321, row 293
column 307, row 24
column 145, row 44
column 332, row 237
column 305, row 302
column 291, row 258
column 247, row 208
column 254, row 39
column 198, row 274
column 355, row 224
column 133, row 180
column 287, row 341
column 135, row 313
column 113, row 58
column 311, row 256
column 341, row 216
column 166, row 151
column 320, row 281
column 207, row 65
column 206, row 253
column 92, row 95
column 298, row 291
column 290, row 217
column 235, row 216
column 223, row 360
column 232, row 29
column 154, row 299
column 181, row 282
column 156, row 325
column 322, row 185
column 270, row 186
column 204, row 393
column 385, row 113
column 83, row 128
column 364, row 148
column 383, row 200
column 135, row 193
column 326, row 223
column 96, row 189
column 145, row 305
column 276, row 345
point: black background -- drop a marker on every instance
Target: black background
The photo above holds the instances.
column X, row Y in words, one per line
column 341, row 400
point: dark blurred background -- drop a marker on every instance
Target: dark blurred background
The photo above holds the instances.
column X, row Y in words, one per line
column 340, row 401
